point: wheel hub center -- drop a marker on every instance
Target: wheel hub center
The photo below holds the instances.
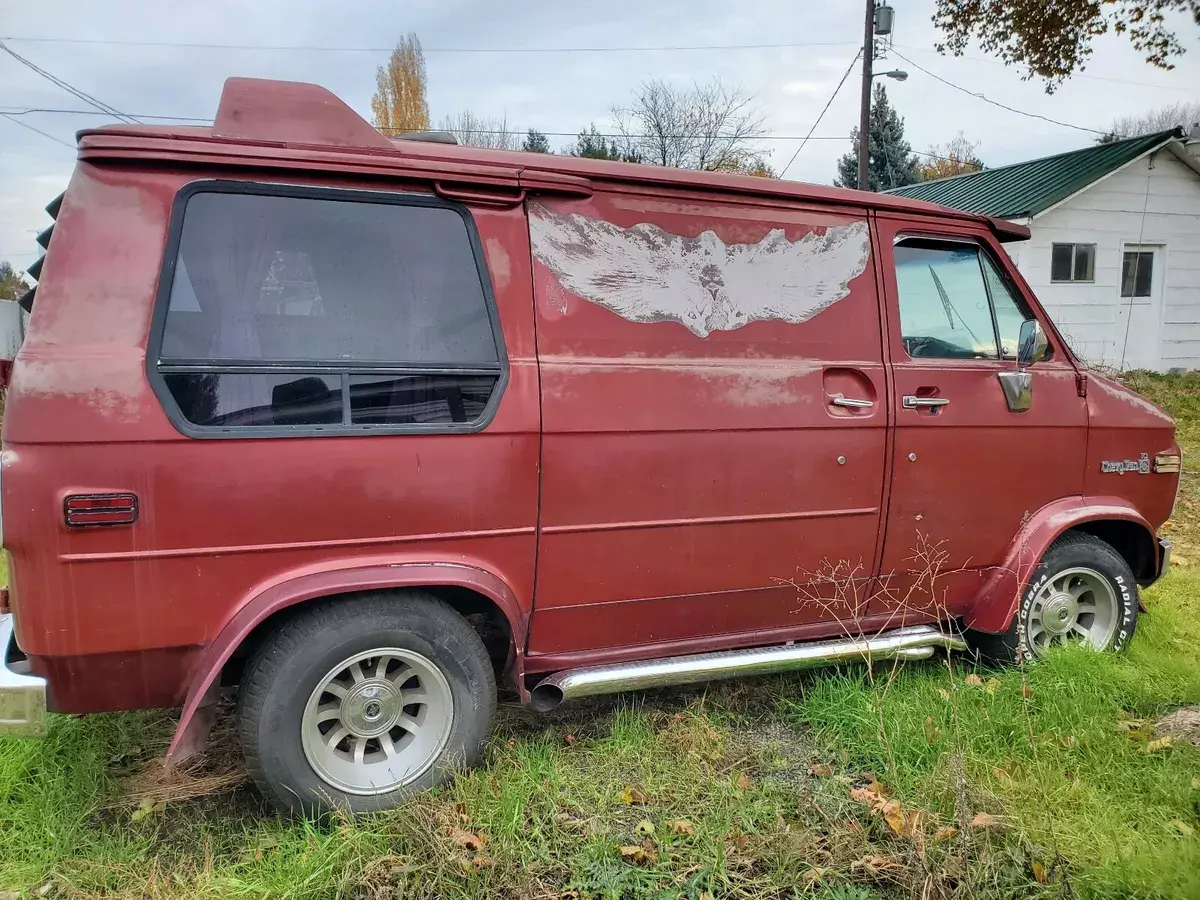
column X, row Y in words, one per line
column 371, row 707
column 1059, row 613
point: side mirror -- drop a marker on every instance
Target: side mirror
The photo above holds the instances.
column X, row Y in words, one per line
column 1032, row 343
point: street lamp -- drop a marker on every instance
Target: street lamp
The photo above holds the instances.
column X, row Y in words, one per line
column 898, row 74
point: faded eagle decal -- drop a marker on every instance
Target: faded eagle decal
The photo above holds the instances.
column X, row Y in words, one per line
column 645, row 274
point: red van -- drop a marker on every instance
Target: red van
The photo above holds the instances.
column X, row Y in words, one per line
column 368, row 427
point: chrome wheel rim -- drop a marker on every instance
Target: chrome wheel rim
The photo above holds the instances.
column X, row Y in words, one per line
column 377, row 721
column 1078, row 606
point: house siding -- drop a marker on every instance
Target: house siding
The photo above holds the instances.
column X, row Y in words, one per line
column 1109, row 214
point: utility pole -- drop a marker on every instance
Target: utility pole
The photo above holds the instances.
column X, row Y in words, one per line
column 864, row 113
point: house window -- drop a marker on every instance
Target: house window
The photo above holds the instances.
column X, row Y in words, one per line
column 1137, row 271
column 317, row 311
column 1072, row 262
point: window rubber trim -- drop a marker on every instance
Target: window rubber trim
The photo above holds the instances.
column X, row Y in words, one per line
column 155, row 366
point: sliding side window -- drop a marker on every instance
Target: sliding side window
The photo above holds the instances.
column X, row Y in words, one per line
column 324, row 311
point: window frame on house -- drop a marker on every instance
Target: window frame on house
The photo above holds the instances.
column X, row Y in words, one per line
column 1142, row 252
column 158, row 367
column 1073, row 265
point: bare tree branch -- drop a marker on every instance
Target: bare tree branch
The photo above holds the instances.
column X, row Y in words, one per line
column 471, row 130
column 710, row 126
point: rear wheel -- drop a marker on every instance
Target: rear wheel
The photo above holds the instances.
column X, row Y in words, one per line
column 355, row 703
column 1082, row 592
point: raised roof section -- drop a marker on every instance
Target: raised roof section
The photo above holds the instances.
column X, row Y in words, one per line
column 293, row 112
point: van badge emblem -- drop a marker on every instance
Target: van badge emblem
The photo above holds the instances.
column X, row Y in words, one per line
column 1141, row 465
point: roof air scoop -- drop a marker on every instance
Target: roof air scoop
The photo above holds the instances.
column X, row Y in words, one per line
column 291, row 112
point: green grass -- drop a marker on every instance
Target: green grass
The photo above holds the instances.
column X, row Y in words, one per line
column 720, row 776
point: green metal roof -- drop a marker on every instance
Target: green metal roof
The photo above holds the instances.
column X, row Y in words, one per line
column 1025, row 189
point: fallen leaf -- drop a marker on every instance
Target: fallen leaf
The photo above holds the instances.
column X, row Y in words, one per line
column 973, row 680
column 146, row 807
column 645, row 828
column 1196, row 784
column 740, row 840
column 1039, row 872
column 1026, row 690
column 466, row 839
column 943, row 693
column 1181, row 827
column 743, row 781
column 992, row 685
column 1068, row 741
column 985, row 820
column 820, row 770
column 639, row 854
column 1163, row 743
column 933, row 731
column 681, row 826
column 893, row 815
column 10, row 895
column 569, row 738
column 633, row 795
column 863, row 795
column 1001, row 774
column 945, row 833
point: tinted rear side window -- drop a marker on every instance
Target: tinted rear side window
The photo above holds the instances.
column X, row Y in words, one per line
column 317, row 311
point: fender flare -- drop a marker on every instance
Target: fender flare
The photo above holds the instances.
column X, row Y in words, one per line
column 996, row 605
column 314, row 585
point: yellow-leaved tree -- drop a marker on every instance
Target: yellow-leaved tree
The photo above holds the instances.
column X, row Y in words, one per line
column 399, row 104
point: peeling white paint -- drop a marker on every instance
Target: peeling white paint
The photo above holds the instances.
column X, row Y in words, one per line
column 646, row 274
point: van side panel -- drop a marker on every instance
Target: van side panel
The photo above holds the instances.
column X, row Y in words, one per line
column 116, row 616
column 691, row 449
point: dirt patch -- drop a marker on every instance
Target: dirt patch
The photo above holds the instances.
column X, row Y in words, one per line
column 1183, row 725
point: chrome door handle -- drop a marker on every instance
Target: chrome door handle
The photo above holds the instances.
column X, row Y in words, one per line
column 851, row 402
column 909, row 401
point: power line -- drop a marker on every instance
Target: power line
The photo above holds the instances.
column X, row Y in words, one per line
column 980, row 96
column 11, row 112
column 16, row 121
column 315, row 48
column 822, row 115
column 1000, row 62
column 69, row 88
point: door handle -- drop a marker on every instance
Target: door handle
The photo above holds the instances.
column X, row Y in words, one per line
column 909, row 401
column 851, row 402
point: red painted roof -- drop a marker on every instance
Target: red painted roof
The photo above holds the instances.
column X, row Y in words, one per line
column 263, row 117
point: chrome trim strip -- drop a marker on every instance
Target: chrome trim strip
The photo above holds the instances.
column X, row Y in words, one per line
column 915, row 642
column 22, row 697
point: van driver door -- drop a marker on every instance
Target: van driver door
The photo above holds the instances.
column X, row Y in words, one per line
column 967, row 469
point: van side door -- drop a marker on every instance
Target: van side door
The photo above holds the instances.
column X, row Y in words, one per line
column 967, row 469
column 714, row 424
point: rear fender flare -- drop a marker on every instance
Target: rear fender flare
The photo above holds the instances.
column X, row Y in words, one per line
column 314, row 585
column 996, row 605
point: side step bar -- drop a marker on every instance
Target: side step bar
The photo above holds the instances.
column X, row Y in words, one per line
column 915, row 642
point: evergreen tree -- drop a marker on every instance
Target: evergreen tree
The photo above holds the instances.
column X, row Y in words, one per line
column 890, row 160
column 536, row 142
column 591, row 144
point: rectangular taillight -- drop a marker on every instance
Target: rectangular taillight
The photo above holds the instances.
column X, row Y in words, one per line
column 85, row 510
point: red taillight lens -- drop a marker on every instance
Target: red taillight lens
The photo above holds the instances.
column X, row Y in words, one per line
column 83, row 510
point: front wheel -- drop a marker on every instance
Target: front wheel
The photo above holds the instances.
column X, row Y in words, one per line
column 357, row 702
column 1082, row 592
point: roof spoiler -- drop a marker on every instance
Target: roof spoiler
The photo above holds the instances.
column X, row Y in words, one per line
column 1007, row 231
column 291, row 112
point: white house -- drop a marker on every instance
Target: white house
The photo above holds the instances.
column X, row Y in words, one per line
column 1114, row 255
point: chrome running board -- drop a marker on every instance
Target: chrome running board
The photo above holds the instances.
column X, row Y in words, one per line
column 915, row 642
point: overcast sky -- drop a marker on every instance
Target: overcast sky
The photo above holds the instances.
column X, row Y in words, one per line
column 554, row 90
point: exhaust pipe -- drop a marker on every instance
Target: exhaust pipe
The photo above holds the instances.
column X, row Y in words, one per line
column 915, row 642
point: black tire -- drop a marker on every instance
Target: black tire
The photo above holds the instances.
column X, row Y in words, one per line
column 283, row 673
column 1074, row 550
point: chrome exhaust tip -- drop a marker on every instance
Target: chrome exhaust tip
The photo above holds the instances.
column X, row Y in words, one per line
column 915, row 642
